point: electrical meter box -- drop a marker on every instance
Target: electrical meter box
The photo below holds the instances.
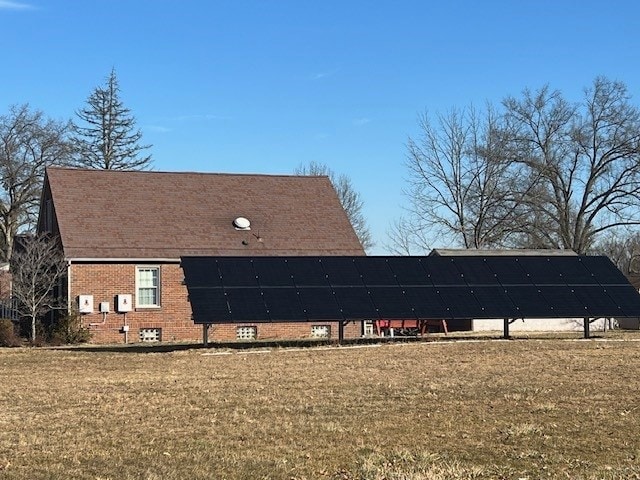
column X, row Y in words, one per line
column 123, row 303
column 85, row 303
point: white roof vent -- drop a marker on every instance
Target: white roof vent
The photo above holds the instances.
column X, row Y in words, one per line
column 242, row 223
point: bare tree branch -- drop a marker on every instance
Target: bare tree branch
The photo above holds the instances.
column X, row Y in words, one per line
column 28, row 143
column 349, row 198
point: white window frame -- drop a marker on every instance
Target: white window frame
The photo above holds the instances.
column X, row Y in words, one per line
column 139, row 269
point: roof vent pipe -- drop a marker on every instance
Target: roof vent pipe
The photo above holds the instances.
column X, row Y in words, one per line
column 242, row 223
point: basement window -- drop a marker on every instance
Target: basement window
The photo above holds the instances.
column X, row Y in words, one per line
column 247, row 333
column 320, row 331
column 150, row 334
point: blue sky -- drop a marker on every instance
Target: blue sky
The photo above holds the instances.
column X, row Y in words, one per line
column 263, row 86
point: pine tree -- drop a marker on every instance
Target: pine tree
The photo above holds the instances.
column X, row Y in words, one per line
column 108, row 138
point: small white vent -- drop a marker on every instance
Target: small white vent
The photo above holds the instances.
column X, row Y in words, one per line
column 241, row 223
column 246, row 333
column 150, row 334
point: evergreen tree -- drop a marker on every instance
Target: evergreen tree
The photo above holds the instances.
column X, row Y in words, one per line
column 107, row 138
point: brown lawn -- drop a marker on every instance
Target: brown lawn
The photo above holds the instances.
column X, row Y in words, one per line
column 527, row 408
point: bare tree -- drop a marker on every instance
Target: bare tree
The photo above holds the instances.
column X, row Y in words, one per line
column 623, row 248
column 108, row 138
column 349, row 198
column 544, row 173
column 28, row 143
column 585, row 160
column 406, row 238
column 460, row 186
column 37, row 268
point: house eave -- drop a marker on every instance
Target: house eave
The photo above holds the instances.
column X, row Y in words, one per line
column 122, row 260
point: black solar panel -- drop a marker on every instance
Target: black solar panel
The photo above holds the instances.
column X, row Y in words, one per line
column 319, row 303
column 493, row 301
column 209, row 305
column 283, row 304
column 390, row 302
column 307, row 271
column 509, row 271
column 426, row 303
column 574, row 272
column 475, row 271
column 272, row 272
column 408, row 271
column 246, row 304
column 375, row 271
column 528, row 301
column 201, row 272
column 355, row 302
column 562, row 301
column 604, row 271
column 625, row 297
column 341, row 271
column 237, row 272
column 460, row 302
column 541, row 271
column 596, row 301
column 239, row 289
column 443, row 271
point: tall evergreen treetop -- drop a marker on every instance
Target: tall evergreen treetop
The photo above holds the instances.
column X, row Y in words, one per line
column 107, row 137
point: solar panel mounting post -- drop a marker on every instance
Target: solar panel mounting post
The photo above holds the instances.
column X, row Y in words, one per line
column 506, row 328
column 205, row 333
column 587, row 323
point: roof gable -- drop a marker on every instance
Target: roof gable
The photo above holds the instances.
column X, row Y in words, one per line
column 137, row 215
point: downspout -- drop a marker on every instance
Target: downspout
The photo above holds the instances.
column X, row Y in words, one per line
column 68, row 287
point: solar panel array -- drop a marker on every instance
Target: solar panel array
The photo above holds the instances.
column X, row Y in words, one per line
column 295, row 289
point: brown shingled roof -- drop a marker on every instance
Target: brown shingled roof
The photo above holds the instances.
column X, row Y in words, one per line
column 114, row 214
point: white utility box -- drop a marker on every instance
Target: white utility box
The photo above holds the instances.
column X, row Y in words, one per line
column 85, row 303
column 123, row 302
column 104, row 307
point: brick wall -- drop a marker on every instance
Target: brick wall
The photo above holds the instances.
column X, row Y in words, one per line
column 105, row 281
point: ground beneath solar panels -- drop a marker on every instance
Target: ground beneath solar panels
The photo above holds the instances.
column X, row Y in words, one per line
column 454, row 407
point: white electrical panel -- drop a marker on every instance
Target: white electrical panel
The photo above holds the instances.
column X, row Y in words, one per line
column 85, row 303
column 104, row 307
column 123, row 303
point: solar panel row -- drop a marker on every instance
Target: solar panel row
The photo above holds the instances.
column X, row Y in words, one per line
column 262, row 289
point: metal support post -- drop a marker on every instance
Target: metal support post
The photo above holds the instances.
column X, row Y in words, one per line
column 205, row 334
column 587, row 323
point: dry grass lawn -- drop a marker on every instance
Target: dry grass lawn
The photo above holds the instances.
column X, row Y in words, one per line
column 520, row 409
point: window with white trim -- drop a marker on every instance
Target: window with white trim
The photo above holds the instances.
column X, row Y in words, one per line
column 320, row 331
column 147, row 287
column 246, row 333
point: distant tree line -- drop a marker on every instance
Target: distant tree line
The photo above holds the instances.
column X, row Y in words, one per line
column 535, row 172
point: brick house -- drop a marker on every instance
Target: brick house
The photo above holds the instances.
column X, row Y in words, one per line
column 123, row 234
